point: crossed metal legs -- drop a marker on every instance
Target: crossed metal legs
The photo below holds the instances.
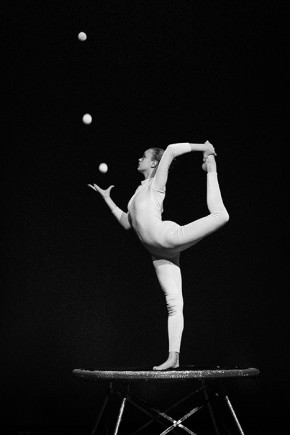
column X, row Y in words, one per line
column 157, row 416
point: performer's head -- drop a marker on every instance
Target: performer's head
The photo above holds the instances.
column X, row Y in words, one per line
column 149, row 162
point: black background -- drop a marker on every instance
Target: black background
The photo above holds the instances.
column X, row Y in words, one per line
column 78, row 290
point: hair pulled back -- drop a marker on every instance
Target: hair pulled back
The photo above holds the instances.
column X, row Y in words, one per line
column 156, row 153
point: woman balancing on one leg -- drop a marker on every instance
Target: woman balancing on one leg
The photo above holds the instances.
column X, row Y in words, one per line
column 165, row 239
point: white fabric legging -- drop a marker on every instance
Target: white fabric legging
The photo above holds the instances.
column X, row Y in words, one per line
column 168, row 270
column 169, row 277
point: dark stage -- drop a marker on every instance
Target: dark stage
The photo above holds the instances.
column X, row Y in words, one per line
column 80, row 292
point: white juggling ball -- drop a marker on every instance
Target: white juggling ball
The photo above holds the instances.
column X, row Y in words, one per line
column 82, row 36
column 103, row 167
column 87, row 119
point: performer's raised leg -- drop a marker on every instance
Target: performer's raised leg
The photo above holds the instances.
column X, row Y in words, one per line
column 183, row 237
column 169, row 277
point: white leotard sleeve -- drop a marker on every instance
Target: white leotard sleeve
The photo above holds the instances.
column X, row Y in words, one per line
column 117, row 212
column 172, row 151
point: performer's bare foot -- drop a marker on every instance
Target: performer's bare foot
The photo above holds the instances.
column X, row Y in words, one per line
column 209, row 165
column 172, row 362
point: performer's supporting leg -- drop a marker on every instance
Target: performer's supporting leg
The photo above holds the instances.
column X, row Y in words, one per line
column 169, row 277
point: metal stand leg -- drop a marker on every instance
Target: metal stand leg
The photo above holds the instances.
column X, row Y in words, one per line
column 120, row 415
column 211, row 411
column 234, row 415
column 102, row 409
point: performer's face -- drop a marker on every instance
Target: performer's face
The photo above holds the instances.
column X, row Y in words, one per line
column 146, row 163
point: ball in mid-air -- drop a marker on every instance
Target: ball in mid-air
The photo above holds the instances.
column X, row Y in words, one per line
column 87, row 118
column 82, row 36
column 103, row 167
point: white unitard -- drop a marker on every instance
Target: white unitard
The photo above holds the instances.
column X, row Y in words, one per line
column 166, row 239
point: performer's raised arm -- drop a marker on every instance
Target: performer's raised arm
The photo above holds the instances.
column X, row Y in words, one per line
column 119, row 214
column 174, row 150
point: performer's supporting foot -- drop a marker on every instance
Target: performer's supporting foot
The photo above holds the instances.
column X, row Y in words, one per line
column 172, row 362
column 210, row 164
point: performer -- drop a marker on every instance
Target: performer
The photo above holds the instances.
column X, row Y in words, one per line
column 166, row 239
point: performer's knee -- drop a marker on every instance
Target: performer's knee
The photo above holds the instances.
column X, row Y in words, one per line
column 174, row 305
column 221, row 216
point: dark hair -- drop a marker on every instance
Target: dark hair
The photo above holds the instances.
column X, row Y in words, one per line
column 157, row 154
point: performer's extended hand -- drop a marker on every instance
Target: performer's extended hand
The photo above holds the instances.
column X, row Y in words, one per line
column 210, row 150
column 106, row 193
